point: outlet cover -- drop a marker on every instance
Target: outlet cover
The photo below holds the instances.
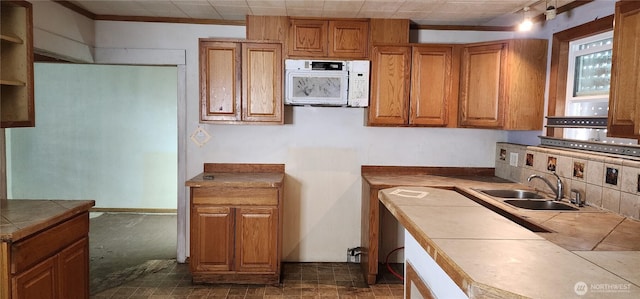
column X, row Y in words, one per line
column 513, row 159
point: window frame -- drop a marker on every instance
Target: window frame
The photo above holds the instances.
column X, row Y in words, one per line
column 557, row 94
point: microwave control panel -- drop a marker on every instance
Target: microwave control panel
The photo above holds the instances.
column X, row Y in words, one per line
column 358, row 94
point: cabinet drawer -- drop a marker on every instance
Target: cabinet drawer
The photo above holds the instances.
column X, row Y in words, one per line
column 235, row 196
column 47, row 243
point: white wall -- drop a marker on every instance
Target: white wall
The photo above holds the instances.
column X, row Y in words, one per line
column 103, row 132
column 323, row 148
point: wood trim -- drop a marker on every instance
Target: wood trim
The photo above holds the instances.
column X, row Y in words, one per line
column 5, row 271
column 96, row 17
column 462, row 27
column 133, row 210
column 76, row 8
column 3, row 168
column 413, row 277
column 560, row 64
column 409, row 170
column 241, row 167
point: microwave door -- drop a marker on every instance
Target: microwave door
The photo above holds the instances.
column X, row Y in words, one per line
column 316, row 88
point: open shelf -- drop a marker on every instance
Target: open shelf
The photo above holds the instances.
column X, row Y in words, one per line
column 11, row 38
column 16, row 65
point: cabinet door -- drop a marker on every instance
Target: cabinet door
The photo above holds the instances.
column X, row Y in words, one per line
column 431, row 85
column 262, row 81
column 211, row 239
column 624, row 115
column 256, row 239
column 389, row 31
column 348, row 39
column 38, row 282
column 390, row 75
column 73, row 270
column 220, row 81
column 308, row 38
column 482, row 87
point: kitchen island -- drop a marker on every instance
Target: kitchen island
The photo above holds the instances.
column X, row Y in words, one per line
column 488, row 256
column 606, row 238
column 44, row 249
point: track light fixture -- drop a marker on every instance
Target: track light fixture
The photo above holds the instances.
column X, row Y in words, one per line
column 526, row 24
column 550, row 13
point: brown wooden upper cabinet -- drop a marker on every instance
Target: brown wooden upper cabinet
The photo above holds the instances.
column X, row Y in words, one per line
column 624, row 115
column 502, row 84
column 16, row 65
column 240, row 81
column 346, row 38
column 413, row 85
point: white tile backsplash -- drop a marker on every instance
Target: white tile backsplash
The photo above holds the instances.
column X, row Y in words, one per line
column 630, row 205
column 611, row 199
column 593, row 195
column 618, row 193
column 564, row 166
column 595, row 173
column 630, row 177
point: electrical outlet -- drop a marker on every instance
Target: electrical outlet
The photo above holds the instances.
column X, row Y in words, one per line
column 513, row 159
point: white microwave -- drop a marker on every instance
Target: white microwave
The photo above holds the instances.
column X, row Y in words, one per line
column 327, row 83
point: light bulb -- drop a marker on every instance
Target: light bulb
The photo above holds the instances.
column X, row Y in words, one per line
column 526, row 25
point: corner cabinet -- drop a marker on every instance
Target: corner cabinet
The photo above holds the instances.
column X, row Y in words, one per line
column 241, row 81
column 413, row 85
column 236, row 228
column 340, row 38
column 16, row 65
column 624, row 113
column 502, row 84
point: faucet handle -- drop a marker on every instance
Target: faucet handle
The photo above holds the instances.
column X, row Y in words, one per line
column 578, row 198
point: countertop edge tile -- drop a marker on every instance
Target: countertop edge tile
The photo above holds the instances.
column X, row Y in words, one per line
column 70, row 208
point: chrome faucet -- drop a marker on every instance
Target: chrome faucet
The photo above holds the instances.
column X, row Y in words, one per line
column 558, row 189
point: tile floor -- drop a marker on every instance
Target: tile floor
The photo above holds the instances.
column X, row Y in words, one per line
column 299, row 280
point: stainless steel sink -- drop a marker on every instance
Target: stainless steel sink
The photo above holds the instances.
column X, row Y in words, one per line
column 539, row 204
column 513, row 193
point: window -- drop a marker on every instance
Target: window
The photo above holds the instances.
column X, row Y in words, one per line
column 588, row 80
column 579, row 83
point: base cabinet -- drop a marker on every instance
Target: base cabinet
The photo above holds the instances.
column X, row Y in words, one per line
column 235, row 235
column 51, row 264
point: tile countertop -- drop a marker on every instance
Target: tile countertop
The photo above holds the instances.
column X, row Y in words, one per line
column 488, row 255
column 20, row 218
column 239, row 179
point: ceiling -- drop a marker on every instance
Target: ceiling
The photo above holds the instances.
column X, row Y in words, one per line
column 421, row 12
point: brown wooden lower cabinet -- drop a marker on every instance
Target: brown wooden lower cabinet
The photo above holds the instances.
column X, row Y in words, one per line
column 235, row 235
column 51, row 264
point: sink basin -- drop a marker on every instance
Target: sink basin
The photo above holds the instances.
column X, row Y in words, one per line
column 513, row 193
column 539, row 204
